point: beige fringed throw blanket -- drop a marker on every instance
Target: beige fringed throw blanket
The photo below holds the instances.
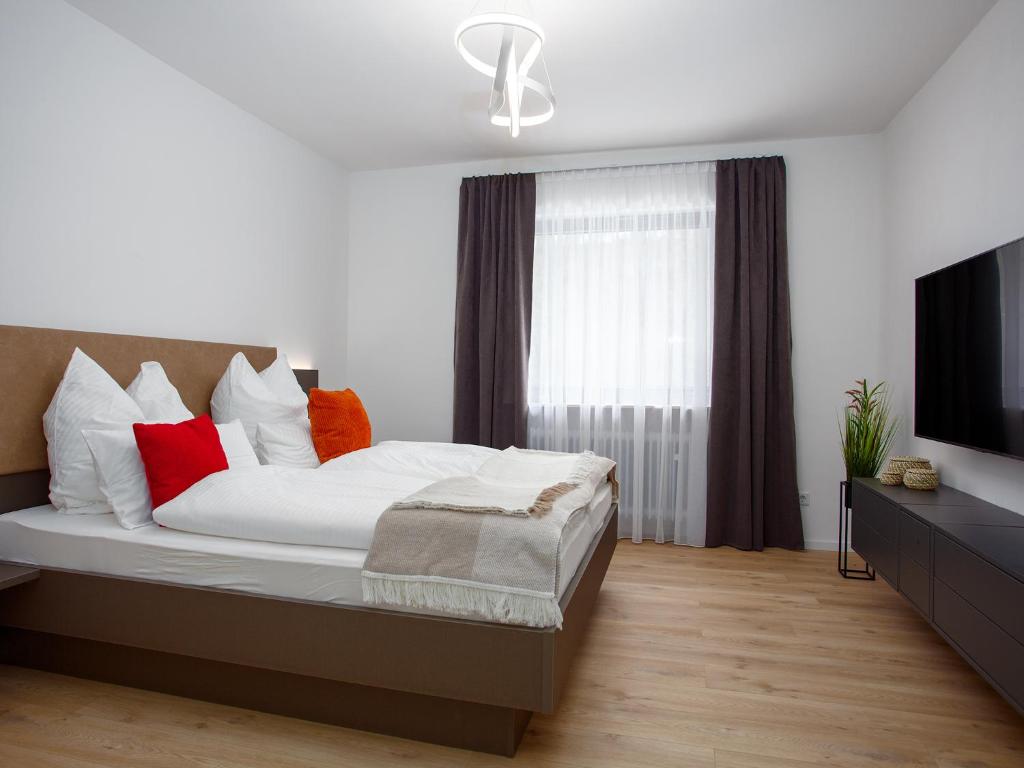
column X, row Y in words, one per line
column 485, row 546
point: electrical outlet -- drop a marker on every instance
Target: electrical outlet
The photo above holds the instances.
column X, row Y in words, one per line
column 805, row 499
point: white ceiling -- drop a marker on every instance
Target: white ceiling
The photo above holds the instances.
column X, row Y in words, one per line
column 378, row 83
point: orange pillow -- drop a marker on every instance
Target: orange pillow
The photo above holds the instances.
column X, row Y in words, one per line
column 338, row 422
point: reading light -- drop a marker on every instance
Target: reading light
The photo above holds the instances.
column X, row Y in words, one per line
column 510, row 77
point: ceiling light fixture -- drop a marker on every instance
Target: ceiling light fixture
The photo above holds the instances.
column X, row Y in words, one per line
column 511, row 78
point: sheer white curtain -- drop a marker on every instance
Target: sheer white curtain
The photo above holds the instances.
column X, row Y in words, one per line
column 620, row 353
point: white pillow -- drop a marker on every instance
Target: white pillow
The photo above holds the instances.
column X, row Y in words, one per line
column 241, row 394
column 236, row 446
column 86, row 398
column 158, row 399
column 122, row 476
column 280, row 379
column 286, row 444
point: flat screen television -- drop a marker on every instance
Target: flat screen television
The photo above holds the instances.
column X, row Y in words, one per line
column 969, row 365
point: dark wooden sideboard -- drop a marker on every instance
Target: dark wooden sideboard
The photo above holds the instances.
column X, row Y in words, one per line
column 960, row 562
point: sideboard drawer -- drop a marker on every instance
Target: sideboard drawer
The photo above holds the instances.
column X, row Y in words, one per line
column 877, row 551
column 960, row 562
column 878, row 513
column 915, row 584
column 993, row 592
column 915, row 539
column 988, row 646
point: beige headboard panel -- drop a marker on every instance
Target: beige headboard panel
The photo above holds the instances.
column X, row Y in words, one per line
column 32, row 362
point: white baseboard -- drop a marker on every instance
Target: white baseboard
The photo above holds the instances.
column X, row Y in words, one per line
column 821, row 544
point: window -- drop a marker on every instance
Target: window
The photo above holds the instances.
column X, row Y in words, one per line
column 620, row 353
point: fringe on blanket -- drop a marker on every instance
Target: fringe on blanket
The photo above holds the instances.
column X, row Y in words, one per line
column 547, row 498
column 584, row 466
column 453, row 597
column 579, row 475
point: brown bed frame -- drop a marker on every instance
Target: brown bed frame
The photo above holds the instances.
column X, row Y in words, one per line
column 444, row 680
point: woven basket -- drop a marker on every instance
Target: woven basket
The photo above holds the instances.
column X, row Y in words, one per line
column 891, row 478
column 900, row 464
column 921, row 479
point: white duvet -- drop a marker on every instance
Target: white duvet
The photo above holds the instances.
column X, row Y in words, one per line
column 334, row 505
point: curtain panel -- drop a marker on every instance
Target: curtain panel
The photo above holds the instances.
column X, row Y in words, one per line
column 620, row 358
column 493, row 302
column 753, row 500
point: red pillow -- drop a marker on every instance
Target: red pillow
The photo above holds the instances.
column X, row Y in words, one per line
column 177, row 456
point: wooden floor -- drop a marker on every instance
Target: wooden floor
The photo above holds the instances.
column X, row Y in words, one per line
column 695, row 658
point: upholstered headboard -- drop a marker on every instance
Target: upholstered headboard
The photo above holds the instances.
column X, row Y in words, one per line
column 32, row 362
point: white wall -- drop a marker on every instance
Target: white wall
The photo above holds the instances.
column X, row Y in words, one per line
column 955, row 183
column 402, row 253
column 134, row 200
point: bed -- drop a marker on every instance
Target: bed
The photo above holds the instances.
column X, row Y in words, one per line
column 275, row 627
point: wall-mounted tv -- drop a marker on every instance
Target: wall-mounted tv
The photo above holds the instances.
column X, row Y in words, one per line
column 969, row 368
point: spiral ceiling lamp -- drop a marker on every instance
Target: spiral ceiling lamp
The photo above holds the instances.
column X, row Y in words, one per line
column 521, row 46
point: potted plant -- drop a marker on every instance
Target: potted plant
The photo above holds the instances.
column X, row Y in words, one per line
column 866, row 432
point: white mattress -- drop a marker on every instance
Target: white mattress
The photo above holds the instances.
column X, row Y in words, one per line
column 97, row 544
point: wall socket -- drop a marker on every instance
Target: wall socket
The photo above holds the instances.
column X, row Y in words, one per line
column 805, row 499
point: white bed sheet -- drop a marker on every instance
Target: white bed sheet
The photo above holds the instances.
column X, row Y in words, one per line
column 97, row 544
column 335, row 505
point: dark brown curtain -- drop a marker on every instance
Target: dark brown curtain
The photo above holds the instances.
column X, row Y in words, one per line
column 753, row 500
column 492, row 309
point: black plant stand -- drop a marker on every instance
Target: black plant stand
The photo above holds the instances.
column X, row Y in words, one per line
column 867, row 573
